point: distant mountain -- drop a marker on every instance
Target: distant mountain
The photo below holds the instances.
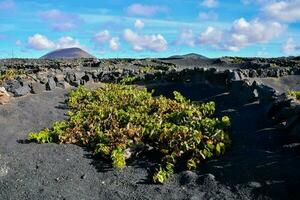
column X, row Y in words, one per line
column 188, row 56
column 67, row 53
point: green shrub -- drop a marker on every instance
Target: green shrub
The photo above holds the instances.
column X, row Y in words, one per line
column 115, row 119
column 128, row 80
column 295, row 94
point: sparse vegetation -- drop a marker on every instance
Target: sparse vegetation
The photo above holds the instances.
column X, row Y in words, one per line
column 117, row 121
column 234, row 60
column 295, row 94
column 147, row 69
column 153, row 68
column 10, row 74
column 128, row 80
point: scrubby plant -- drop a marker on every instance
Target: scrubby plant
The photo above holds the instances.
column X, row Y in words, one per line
column 154, row 68
column 9, row 74
column 147, row 69
column 115, row 119
column 128, row 80
column 295, row 94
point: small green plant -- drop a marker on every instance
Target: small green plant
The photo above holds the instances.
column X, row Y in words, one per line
column 114, row 119
column 10, row 74
column 128, row 80
column 295, row 94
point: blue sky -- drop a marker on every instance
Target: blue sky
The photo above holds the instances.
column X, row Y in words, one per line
column 157, row 28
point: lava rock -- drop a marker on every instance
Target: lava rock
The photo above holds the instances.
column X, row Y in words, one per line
column 4, row 96
column 42, row 77
column 266, row 93
column 207, row 179
column 63, row 85
column 79, row 75
column 254, row 184
column 37, row 87
column 21, row 91
column 59, row 77
column 87, row 78
column 188, row 177
column 12, row 85
column 50, row 85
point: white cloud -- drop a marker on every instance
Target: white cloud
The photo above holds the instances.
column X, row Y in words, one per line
column 242, row 34
column 206, row 16
column 186, row 37
column 67, row 42
column 290, row 47
column 287, row 11
column 64, row 26
column 59, row 20
column 18, row 42
column 211, row 36
column 40, row 42
column 102, row 36
column 114, row 43
column 153, row 42
column 139, row 24
column 145, row 10
column 210, row 3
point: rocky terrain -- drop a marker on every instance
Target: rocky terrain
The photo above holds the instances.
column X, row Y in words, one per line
column 263, row 162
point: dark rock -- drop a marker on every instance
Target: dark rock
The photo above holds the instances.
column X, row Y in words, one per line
column 63, row 85
column 87, row 78
column 79, row 75
column 21, row 91
column 37, row 87
column 253, row 73
column 12, row 85
column 50, row 85
column 106, row 78
column 70, row 77
column 243, row 91
column 59, row 77
column 207, row 179
column 75, row 83
column 295, row 132
column 42, row 77
column 234, row 76
column 254, row 184
column 188, row 177
column 266, row 93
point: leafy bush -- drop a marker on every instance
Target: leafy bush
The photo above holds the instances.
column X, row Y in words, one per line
column 295, row 94
column 117, row 119
column 128, row 80
column 9, row 74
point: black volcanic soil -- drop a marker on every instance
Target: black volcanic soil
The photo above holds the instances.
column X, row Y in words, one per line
column 258, row 166
column 282, row 84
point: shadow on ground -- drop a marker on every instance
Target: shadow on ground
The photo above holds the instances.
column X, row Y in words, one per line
column 260, row 156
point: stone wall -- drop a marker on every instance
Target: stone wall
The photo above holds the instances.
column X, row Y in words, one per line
column 281, row 109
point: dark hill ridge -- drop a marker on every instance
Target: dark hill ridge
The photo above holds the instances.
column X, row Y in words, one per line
column 188, row 56
column 68, row 53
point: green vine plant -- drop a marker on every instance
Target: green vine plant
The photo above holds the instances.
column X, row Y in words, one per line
column 114, row 119
column 295, row 94
column 10, row 74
